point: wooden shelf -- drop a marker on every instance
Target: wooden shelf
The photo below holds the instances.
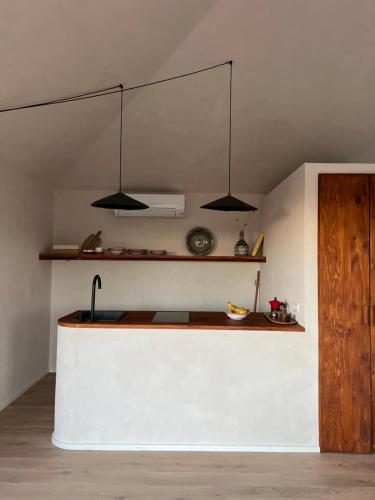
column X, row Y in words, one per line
column 73, row 255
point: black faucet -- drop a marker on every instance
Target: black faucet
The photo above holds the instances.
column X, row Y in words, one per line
column 97, row 279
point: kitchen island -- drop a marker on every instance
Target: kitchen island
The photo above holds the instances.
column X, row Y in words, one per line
column 208, row 383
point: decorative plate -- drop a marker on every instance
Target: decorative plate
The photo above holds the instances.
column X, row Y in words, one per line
column 200, row 241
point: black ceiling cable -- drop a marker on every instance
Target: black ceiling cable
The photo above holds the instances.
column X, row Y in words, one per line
column 88, row 93
column 85, row 95
column 175, row 77
column 115, row 89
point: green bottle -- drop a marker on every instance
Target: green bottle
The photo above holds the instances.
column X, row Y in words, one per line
column 241, row 248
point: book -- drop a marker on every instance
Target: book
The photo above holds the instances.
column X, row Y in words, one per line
column 257, row 245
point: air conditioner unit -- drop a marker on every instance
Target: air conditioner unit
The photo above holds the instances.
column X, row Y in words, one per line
column 160, row 205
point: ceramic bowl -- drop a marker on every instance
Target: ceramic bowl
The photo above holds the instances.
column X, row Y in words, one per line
column 237, row 317
column 137, row 251
column 116, row 250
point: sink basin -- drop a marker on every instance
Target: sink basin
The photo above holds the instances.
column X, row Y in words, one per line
column 104, row 316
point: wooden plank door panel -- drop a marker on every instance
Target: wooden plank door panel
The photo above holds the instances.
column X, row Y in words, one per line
column 372, row 295
column 344, row 310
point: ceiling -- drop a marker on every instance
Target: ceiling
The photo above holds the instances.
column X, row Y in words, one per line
column 303, row 90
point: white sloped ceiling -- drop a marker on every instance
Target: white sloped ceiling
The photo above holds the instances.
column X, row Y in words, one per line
column 303, row 90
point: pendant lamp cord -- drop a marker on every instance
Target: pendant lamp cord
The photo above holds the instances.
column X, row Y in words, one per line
column 63, row 100
column 109, row 90
column 121, row 126
column 142, row 85
column 120, row 88
column 230, row 124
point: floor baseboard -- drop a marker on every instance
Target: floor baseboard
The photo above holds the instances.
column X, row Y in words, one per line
column 186, row 447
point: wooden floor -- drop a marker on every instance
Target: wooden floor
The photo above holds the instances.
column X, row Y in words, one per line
column 30, row 467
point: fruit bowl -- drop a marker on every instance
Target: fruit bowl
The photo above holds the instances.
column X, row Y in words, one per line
column 236, row 312
column 236, row 317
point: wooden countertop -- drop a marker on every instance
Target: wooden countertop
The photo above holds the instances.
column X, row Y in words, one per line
column 198, row 321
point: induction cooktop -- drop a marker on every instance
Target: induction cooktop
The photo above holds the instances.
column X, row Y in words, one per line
column 171, row 317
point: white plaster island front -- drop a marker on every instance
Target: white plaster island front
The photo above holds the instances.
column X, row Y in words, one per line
column 212, row 384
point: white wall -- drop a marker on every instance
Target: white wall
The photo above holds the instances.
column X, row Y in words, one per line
column 74, row 219
column 148, row 285
column 283, row 222
column 285, row 276
column 290, row 221
column 26, row 229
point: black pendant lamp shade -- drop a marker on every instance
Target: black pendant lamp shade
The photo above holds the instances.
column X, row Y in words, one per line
column 120, row 200
column 229, row 203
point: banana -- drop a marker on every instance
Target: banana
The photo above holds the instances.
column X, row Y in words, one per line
column 236, row 309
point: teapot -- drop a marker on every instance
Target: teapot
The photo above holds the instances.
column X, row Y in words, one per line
column 276, row 305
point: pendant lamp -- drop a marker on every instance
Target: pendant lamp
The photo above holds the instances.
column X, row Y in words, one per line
column 229, row 203
column 120, row 200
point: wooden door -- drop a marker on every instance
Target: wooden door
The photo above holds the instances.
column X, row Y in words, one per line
column 344, row 313
column 372, row 295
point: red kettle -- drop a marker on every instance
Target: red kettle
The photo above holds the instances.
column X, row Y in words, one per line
column 276, row 305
